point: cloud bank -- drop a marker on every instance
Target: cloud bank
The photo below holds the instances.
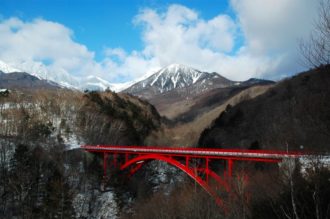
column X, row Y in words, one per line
column 29, row 45
column 260, row 41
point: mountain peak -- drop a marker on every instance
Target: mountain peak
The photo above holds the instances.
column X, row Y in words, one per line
column 175, row 67
column 177, row 77
column 174, row 76
column 5, row 68
column 178, row 68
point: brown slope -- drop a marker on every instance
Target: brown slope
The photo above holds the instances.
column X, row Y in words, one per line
column 208, row 101
column 187, row 133
column 296, row 112
column 184, row 107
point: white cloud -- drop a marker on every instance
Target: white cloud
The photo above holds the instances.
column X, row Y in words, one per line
column 177, row 35
column 42, row 42
column 274, row 24
column 180, row 30
column 273, row 29
column 269, row 31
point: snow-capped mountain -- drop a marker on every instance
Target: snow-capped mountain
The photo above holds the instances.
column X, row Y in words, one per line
column 96, row 83
column 62, row 77
column 182, row 93
column 177, row 77
column 5, row 68
column 41, row 71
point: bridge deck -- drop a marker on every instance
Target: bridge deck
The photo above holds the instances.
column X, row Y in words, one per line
column 196, row 152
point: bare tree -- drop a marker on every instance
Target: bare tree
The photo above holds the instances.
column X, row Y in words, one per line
column 316, row 50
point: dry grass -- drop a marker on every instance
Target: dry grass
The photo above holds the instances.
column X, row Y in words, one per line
column 171, row 111
column 187, row 134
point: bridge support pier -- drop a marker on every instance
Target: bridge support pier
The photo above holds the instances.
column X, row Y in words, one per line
column 230, row 168
column 115, row 160
column 105, row 161
column 207, row 170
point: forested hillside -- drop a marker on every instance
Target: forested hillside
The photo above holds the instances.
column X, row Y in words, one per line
column 40, row 176
column 294, row 114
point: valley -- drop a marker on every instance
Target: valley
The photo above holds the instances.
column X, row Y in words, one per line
column 190, row 100
column 46, row 123
column 165, row 109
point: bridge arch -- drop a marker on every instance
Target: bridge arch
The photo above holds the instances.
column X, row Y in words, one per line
column 191, row 172
column 137, row 156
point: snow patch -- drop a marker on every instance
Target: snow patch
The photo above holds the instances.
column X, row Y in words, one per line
column 104, row 206
column 5, row 68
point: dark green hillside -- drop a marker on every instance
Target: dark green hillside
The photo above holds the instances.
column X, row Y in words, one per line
column 295, row 112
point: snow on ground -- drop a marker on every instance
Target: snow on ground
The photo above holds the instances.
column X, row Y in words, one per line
column 4, row 67
column 107, row 206
column 314, row 161
column 7, row 151
column 306, row 162
column 72, row 141
column 104, row 206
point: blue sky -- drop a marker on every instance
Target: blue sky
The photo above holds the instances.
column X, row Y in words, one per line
column 121, row 40
column 102, row 23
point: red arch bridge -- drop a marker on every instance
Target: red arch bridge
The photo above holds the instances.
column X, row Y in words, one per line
column 132, row 158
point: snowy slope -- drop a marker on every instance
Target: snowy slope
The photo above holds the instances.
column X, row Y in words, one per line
column 174, row 77
column 5, row 68
column 96, row 83
column 62, row 77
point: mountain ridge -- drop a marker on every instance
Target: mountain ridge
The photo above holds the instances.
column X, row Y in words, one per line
column 62, row 78
column 5, row 68
column 23, row 80
column 176, row 77
column 175, row 90
column 293, row 114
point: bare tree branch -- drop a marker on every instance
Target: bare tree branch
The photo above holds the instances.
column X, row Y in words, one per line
column 316, row 50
